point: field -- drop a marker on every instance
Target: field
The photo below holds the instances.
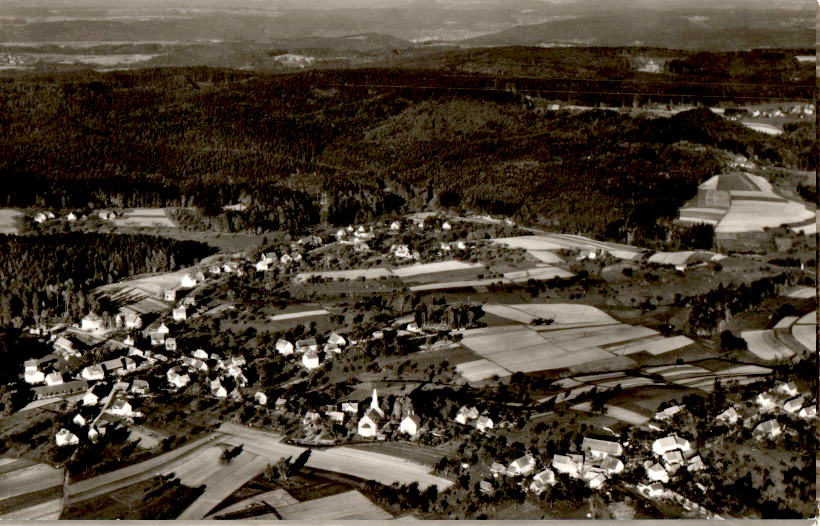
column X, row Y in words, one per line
column 619, row 413
column 423, row 455
column 410, row 271
column 764, row 344
column 366, row 273
column 275, row 499
column 548, row 242
column 144, row 217
column 8, row 220
column 351, row 505
column 28, row 489
column 805, row 331
column 752, row 215
column 144, row 294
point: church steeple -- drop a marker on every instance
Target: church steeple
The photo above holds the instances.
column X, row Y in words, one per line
column 374, row 403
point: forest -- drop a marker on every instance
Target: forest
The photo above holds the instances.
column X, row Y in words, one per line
column 45, row 278
column 342, row 146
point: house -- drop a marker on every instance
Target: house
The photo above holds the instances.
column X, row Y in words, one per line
column 772, row 428
column 730, row 416
column 395, row 225
column 79, row 420
column 310, row 360
column 262, row 266
column 93, row 434
column 790, row 406
column 157, row 338
column 612, row 465
column 445, row 247
column 39, row 217
column 93, row 372
column 187, row 281
column 695, row 464
column 227, row 268
column 341, row 234
column 498, row 469
column 140, row 387
column 541, row 480
column 400, row 251
column 121, row 407
column 332, row 348
column 657, row 472
column 90, row 398
column 170, row 344
column 486, row 488
column 284, row 347
column 483, row 423
column 307, row 345
column 286, row 259
column 31, row 365
column 199, row 365
column 350, row 407
column 215, row 270
column 446, row 226
column 64, row 437
column 54, row 379
column 71, row 217
column 788, row 389
column 670, row 443
column 129, row 341
column 410, row 425
column 810, row 411
column 218, row 390
column 565, row 464
column 596, row 481
column 669, row 412
column 177, row 379
column 336, row 416
column 280, row 404
column 465, row 414
column 63, row 344
column 261, row 398
column 766, row 402
column 460, row 245
column 114, row 366
column 169, row 295
column 336, row 339
column 180, row 314
column 368, row 425
column 522, row 466
column 673, row 458
column 50, row 215
column 599, row 449
column 163, row 329
column 34, row 377
column 92, row 322
column 654, row 490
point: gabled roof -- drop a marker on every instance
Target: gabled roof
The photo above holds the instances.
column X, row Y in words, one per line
column 608, row 447
column 413, row 418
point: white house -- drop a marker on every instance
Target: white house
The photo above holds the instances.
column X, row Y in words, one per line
column 332, row 348
column 79, row 420
column 446, row 226
column 497, row 469
column 465, row 414
column 565, row 464
column 180, row 314
column 54, row 379
column 92, row 322
column 670, row 443
column 695, row 464
column 71, row 217
column 657, row 472
column 541, row 480
column 262, row 266
column 307, row 345
column 653, row 490
column 93, row 434
column 64, row 437
column 612, row 465
column 34, row 377
column 170, row 295
column 39, row 217
column 286, row 259
column 284, row 347
column 170, row 344
column 121, row 407
column 336, row 339
column 410, row 425
column 730, row 416
column 310, row 360
column 673, row 458
column 444, row 247
column 772, row 428
column 599, row 449
column 790, row 406
column 669, row 412
column 483, row 423
column 336, row 416
column 163, row 329
column 350, row 407
column 368, row 425
column 140, row 387
column 597, row 481
column 401, row 251
column 218, row 390
column 187, row 281
column 261, row 398
column 90, row 398
column 766, row 402
column 93, row 372
column 395, row 225
column 810, row 411
column 522, row 466
column 788, row 389
column 200, row 354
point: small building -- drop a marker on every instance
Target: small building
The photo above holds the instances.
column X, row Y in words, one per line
column 770, row 428
column 336, row 416
column 766, row 402
column 483, row 423
column 350, row 407
column 395, row 226
column 187, row 281
column 170, row 344
column 788, row 389
column 446, row 226
column 218, row 390
column 92, row 322
column 541, row 480
column 669, row 412
column 39, row 217
column 596, row 481
column 284, row 347
column 410, row 425
column 810, row 411
column 262, row 266
column 200, row 354
column 121, row 407
column 695, row 464
column 565, row 464
column 140, row 387
column 670, row 443
column 157, row 338
column 310, row 360
column 163, row 330
column 465, row 414
column 71, row 217
column 180, row 314
column 496, row 468
column 612, row 465
column 34, row 377
column 599, row 449
column 331, row 348
column 673, row 458
column 64, row 437
column 657, row 472
column 654, row 490
column 286, row 259
column 790, row 406
column 260, row 398
column 79, row 420
column 486, row 488
column 336, row 339
column 729, row 416
column 54, row 378
column 307, row 345
column 522, row 466
column 92, row 373
column 90, row 398
column 170, row 295
column 400, row 251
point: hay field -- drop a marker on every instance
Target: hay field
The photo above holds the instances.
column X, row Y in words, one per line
column 142, row 293
column 786, row 322
column 44, row 511
column 805, row 331
column 764, row 344
column 424, row 455
column 350, row 505
column 454, row 285
column 144, row 217
column 8, row 220
column 432, row 268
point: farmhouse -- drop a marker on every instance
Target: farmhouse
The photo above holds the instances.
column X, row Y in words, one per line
column 64, row 437
column 307, row 345
column 483, row 423
column 180, row 314
column 657, row 472
column 730, row 416
column 672, row 458
column 695, row 464
column 541, row 480
column 57, row 391
column 596, row 480
column 566, row 464
column 310, row 360
column 410, row 425
column 140, row 387
column 91, row 322
column 54, row 379
column 653, row 490
column 670, row 443
column 790, row 406
column 599, row 449
column 522, row 466
column 65, row 345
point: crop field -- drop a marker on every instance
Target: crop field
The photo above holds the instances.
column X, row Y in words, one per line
column 754, row 215
column 45, row 511
column 29, row 490
column 538, row 273
column 275, row 499
column 8, row 220
column 481, row 370
column 366, row 273
column 545, row 256
column 764, row 344
column 426, row 456
column 559, row 313
column 786, row 322
column 351, row 505
column 420, row 269
column 805, row 331
column 452, row 285
column 142, row 293
column 21, row 478
column 619, row 413
column 737, row 181
column 447, row 276
column 144, row 217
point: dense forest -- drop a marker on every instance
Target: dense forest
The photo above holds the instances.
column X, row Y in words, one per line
column 48, row 277
column 350, row 145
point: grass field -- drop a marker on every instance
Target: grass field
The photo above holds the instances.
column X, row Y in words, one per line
column 27, row 489
column 423, row 455
column 422, row 269
column 144, row 217
column 764, row 344
column 619, row 413
column 9, row 219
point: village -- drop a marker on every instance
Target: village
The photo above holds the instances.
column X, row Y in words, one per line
column 124, row 368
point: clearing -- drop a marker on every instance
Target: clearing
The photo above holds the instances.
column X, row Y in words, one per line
column 144, row 217
column 9, row 219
